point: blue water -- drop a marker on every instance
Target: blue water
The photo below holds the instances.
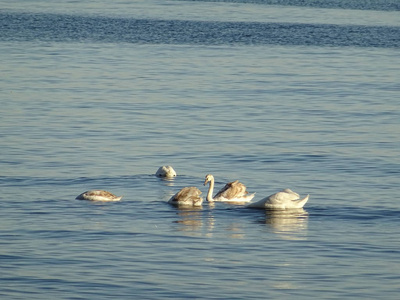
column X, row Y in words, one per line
column 278, row 94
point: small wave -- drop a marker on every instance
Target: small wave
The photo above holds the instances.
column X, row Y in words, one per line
column 354, row 213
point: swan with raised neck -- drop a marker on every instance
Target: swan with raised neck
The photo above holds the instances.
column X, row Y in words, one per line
column 234, row 191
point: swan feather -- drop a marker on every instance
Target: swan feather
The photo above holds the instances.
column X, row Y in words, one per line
column 98, row 195
column 285, row 199
column 166, row 172
column 188, row 196
column 234, row 191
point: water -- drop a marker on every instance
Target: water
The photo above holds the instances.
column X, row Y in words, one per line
column 100, row 94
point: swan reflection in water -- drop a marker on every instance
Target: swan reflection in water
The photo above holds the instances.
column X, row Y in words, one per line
column 190, row 219
column 168, row 181
column 289, row 224
column 200, row 221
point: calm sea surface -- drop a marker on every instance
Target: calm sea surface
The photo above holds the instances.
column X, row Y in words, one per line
column 278, row 94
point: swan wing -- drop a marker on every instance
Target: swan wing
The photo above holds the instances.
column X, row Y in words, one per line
column 98, row 195
column 281, row 200
column 231, row 190
column 187, row 195
column 105, row 194
column 282, row 197
column 289, row 191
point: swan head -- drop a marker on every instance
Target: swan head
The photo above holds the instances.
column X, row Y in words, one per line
column 166, row 171
column 208, row 179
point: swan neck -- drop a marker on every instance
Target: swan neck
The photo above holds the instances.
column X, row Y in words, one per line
column 210, row 191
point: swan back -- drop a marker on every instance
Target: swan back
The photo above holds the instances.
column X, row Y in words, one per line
column 283, row 196
column 290, row 192
column 231, row 190
column 98, row 195
column 285, row 199
column 188, row 196
column 166, row 172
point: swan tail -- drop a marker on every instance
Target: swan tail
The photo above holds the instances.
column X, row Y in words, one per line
column 302, row 202
column 250, row 197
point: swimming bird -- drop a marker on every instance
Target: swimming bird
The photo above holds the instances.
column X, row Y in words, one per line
column 285, row 199
column 234, row 191
column 166, row 172
column 98, row 195
column 188, row 196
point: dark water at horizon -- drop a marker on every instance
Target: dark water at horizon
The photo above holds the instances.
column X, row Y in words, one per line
column 385, row 5
column 40, row 27
column 278, row 94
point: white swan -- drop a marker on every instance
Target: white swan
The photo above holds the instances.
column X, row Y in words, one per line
column 285, row 199
column 234, row 191
column 98, row 195
column 188, row 196
column 166, row 172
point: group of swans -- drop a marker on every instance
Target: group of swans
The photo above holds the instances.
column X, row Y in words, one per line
column 101, row 195
column 233, row 192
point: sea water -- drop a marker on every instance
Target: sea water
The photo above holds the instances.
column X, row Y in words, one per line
column 277, row 94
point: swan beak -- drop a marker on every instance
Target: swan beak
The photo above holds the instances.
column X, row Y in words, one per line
column 205, row 182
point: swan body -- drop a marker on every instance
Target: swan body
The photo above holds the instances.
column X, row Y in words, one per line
column 285, row 199
column 234, row 191
column 98, row 195
column 188, row 196
column 166, row 172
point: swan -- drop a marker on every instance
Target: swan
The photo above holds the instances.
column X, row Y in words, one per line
column 285, row 199
column 98, row 195
column 188, row 196
column 166, row 171
column 234, row 191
